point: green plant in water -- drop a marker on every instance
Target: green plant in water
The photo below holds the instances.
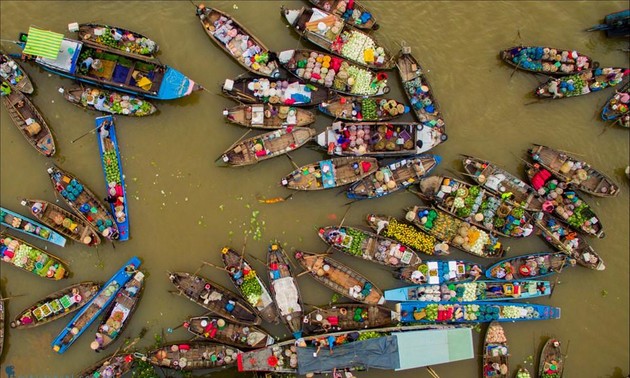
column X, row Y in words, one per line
column 143, row 369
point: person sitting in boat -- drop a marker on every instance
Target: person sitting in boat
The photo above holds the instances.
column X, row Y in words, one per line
column 418, row 277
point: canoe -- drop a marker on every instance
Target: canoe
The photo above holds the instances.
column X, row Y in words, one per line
column 581, row 84
column 330, row 173
column 30, row 122
column 369, row 246
column 84, row 202
column 12, row 72
column 193, row 355
column 405, row 233
column 348, row 316
column 113, row 173
column 616, row 25
column 30, row 227
column 63, row 221
column 379, row 139
column 119, row 313
column 130, row 42
column 250, row 285
column 474, row 312
column 285, row 289
column 495, row 353
column 567, row 241
column 29, row 258
column 238, row 42
column 293, row 92
column 214, row 298
column 477, row 206
column 341, row 76
column 551, row 363
column 393, row 177
column 439, row 271
column 95, row 307
column 526, row 267
column 353, row 12
column 358, row 109
column 501, row 182
column 330, row 32
column 227, row 332
column 454, row 231
column 56, row 305
column 340, row 278
column 616, row 110
column 115, row 365
column 577, row 172
column 266, row 146
column 563, row 201
column 267, row 116
column 547, row 60
column 88, row 97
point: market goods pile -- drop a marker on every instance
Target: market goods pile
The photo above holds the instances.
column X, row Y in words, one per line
column 523, row 374
column 124, row 41
column 408, row 235
column 422, row 102
column 282, row 358
column 116, row 103
column 30, row 259
column 480, row 313
column 251, row 288
column 452, row 292
column 281, row 91
column 112, row 170
column 359, row 47
column 346, row 10
column 26, row 226
column 355, row 238
column 72, row 191
column 362, row 138
column 11, row 72
column 533, row 267
column 545, row 59
column 580, row 84
column 496, row 335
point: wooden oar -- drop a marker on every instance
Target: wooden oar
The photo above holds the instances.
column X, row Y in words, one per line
column 312, row 305
column 432, row 372
column 11, row 297
column 217, row 267
column 88, row 133
column 257, row 259
column 292, row 162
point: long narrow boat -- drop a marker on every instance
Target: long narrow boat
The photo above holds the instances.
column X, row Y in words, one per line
column 83, row 202
column 285, row 290
column 340, row 278
column 88, row 313
column 63, row 221
column 125, row 40
column 574, row 171
column 291, row 92
column 227, row 332
column 616, row 24
column 331, row 33
column 501, row 182
column 193, row 355
column 405, row 233
column 617, row 108
column 358, row 109
column 114, row 177
column 266, row 146
column 440, row 271
column 30, row 122
column 116, row 365
column 214, row 298
column 353, row 12
column 107, row 101
column 526, row 267
column 369, row 246
column 347, row 317
column 13, row 73
column 261, row 116
column 474, row 312
column 330, row 173
column 22, row 255
column 551, row 364
column 30, row 227
column 237, row 42
column 581, row 84
column 495, row 353
column 333, row 72
column 56, row 305
column 251, row 286
column 547, row 60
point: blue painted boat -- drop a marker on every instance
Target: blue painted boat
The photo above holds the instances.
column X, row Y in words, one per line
column 616, row 108
column 474, row 312
column 91, row 311
column 30, row 227
column 615, row 24
column 526, row 267
column 112, row 169
column 436, row 272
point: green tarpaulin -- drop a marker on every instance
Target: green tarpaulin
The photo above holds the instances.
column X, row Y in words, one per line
column 43, row 43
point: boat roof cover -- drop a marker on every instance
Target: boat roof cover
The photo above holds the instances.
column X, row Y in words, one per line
column 43, row 43
column 66, row 58
column 426, row 348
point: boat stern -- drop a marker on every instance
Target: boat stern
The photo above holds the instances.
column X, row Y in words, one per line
column 175, row 85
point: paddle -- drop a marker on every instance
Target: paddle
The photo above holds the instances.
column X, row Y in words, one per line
column 432, row 372
column 88, row 133
column 11, row 297
column 217, row 267
column 257, row 259
column 312, row 305
column 292, row 162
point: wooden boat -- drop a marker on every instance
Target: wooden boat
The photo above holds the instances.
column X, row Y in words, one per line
column 2, row 317
column 439, row 271
column 88, row 313
column 330, row 32
column 365, row 82
column 13, row 73
column 393, row 177
column 83, row 202
column 474, row 312
column 27, row 257
column 475, row 205
column 227, row 332
column 340, row 278
column 579, row 173
column 358, row 109
column 56, row 305
column 551, row 363
column 30, row 122
column 30, row 227
column 405, row 233
column 266, row 146
column 501, row 182
column 63, row 221
column 261, row 116
column 563, row 201
column 193, row 355
column 567, row 241
column 88, row 97
column 285, row 290
column 495, row 353
column 214, row 298
column 616, row 110
column 380, row 139
column 489, row 290
column 547, row 60
column 368, row 246
column 348, row 316
column 616, row 24
column 130, row 42
column 352, row 12
column 232, row 37
column 119, row 313
column 113, row 173
column 581, row 84
column 115, row 365
column 330, row 173
column 525, row 267
column 292, row 92
column 252, row 288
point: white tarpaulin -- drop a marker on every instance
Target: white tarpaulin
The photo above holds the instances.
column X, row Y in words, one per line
column 286, row 295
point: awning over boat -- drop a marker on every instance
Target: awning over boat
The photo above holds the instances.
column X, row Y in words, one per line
column 43, row 43
column 66, row 59
column 426, row 348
